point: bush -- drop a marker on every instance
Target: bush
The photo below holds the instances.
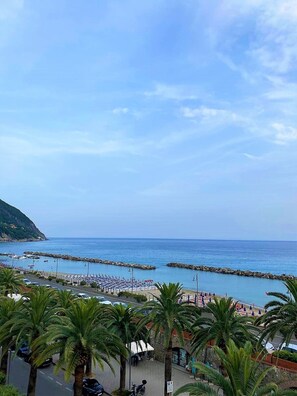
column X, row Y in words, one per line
column 50, row 278
column 291, row 357
column 83, row 283
column 138, row 297
column 8, row 390
column 93, row 285
column 2, row 378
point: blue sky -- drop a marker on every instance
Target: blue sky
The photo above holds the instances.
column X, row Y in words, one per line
column 165, row 119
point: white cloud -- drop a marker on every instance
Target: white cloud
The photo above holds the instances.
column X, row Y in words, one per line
column 173, row 92
column 208, row 113
column 284, row 134
column 120, row 110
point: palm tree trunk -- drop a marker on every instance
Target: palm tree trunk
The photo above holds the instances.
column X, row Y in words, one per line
column 89, row 367
column 32, row 381
column 78, row 380
column 168, row 366
column 4, row 360
column 122, row 373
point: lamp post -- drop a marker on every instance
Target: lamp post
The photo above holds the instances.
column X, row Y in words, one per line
column 57, row 267
column 132, row 277
column 195, row 278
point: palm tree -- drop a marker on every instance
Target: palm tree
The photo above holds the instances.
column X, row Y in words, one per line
column 243, row 375
column 123, row 321
column 10, row 282
column 29, row 323
column 168, row 317
column 77, row 336
column 281, row 315
column 64, row 300
column 220, row 323
column 8, row 308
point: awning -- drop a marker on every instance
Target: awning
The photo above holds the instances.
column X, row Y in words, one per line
column 140, row 346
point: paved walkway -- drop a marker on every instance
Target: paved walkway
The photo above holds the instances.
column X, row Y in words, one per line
column 152, row 371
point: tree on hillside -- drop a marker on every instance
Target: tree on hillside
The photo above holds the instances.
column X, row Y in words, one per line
column 244, row 377
column 10, row 282
column 123, row 321
column 220, row 323
column 167, row 317
column 281, row 315
column 78, row 336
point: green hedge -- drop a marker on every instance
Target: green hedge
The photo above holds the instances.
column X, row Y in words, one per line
column 2, row 378
column 291, row 357
column 94, row 285
column 138, row 297
column 8, row 390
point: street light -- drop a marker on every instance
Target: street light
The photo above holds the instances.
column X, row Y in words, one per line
column 195, row 278
column 132, row 277
column 57, row 266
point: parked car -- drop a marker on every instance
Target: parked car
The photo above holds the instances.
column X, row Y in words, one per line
column 27, row 281
column 25, row 353
column 106, row 302
column 85, row 296
column 91, row 387
column 289, row 348
column 99, row 298
column 120, row 303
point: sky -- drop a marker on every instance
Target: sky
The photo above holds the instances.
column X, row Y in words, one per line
column 152, row 118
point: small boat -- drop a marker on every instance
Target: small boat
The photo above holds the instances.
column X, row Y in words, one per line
column 31, row 265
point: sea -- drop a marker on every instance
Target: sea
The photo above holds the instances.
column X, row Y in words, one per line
column 276, row 257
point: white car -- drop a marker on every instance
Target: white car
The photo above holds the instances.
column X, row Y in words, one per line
column 85, row 296
column 268, row 346
column 106, row 302
column 288, row 347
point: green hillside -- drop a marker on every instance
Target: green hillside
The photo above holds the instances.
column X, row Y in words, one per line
column 15, row 226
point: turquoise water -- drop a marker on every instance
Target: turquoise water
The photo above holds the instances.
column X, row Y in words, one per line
column 265, row 256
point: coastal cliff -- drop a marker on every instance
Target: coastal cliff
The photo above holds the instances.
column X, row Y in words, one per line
column 16, row 226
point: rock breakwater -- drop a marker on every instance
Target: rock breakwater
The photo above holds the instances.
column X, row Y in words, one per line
column 230, row 271
column 92, row 260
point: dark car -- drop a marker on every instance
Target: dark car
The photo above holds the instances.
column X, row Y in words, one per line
column 25, row 353
column 92, row 387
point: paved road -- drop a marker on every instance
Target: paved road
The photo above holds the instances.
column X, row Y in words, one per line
column 47, row 384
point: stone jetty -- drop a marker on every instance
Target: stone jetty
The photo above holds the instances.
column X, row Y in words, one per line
column 92, row 260
column 230, row 271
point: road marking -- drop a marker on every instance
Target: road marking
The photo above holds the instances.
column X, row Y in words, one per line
column 51, row 378
column 69, row 389
column 59, row 383
column 42, row 372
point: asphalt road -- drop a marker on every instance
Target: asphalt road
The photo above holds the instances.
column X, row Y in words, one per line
column 47, row 384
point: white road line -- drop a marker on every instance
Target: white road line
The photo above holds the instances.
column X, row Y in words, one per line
column 69, row 389
column 51, row 378
column 59, row 383
column 42, row 372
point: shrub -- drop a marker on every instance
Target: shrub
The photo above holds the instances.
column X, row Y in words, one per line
column 2, row 378
column 50, row 278
column 83, row 283
column 93, row 285
column 138, row 297
column 291, row 357
column 8, row 390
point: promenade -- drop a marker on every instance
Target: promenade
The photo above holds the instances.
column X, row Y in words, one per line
column 150, row 370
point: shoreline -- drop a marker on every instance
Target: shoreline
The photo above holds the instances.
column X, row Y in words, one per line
column 242, row 308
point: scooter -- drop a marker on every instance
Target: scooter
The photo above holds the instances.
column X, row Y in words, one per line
column 138, row 389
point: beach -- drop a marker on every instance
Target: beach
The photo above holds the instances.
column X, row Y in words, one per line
column 264, row 256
